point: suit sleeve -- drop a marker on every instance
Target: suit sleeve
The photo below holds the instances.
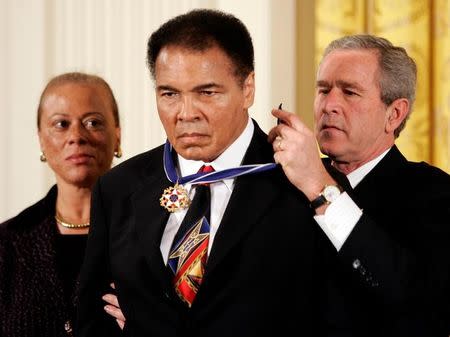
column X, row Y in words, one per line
column 379, row 263
column 407, row 270
column 95, row 276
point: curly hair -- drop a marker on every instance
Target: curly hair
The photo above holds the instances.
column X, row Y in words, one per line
column 201, row 29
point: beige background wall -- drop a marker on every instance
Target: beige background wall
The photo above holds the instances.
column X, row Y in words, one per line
column 41, row 38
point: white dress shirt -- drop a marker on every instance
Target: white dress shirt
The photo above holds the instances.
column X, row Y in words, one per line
column 342, row 214
column 220, row 191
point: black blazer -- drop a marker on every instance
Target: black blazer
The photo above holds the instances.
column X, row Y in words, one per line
column 391, row 277
column 259, row 276
column 32, row 297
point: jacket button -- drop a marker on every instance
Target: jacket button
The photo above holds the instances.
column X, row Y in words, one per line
column 356, row 264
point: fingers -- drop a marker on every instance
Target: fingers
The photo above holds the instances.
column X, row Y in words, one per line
column 114, row 312
column 111, row 299
column 288, row 118
column 282, row 115
column 277, row 144
column 278, row 131
column 290, row 123
column 117, row 314
column 113, row 309
column 273, row 133
column 120, row 323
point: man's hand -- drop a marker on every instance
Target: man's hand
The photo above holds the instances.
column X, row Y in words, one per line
column 296, row 151
column 113, row 308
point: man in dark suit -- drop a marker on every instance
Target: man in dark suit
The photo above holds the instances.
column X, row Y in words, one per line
column 386, row 237
column 258, row 275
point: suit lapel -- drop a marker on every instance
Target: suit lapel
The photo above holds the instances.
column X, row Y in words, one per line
column 251, row 195
column 244, row 209
column 382, row 177
column 340, row 178
column 150, row 220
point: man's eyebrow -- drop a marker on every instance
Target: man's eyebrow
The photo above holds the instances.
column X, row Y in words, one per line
column 165, row 87
column 322, row 83
column 207, row 86
column 340, row 84
column 347, row 84
column 196, row 88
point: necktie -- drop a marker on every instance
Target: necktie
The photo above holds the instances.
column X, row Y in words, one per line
column 188, row 254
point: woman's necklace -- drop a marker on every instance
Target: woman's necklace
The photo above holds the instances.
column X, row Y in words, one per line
column 71, row 225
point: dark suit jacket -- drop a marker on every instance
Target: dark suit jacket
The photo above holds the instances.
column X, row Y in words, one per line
column 391, row 277
column 259, row 274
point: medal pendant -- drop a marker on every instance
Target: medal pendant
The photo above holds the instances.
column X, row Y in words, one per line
column 174, row 198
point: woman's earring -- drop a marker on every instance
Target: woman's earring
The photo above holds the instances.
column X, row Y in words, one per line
column 42, row 157
column 118, row 153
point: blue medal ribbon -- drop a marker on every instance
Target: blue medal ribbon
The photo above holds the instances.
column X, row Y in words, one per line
column 210, row 177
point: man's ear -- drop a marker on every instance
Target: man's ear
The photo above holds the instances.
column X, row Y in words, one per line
column 249, row 90
column 396, row 113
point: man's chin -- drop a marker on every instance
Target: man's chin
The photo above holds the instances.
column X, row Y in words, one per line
column 330, row 133
column 193, row 153
column 327, row 148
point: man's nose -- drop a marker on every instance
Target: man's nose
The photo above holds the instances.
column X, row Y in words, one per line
column 332, row 101
column 188, row 110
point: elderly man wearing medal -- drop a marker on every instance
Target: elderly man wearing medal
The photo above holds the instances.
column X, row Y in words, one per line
column 256, row 274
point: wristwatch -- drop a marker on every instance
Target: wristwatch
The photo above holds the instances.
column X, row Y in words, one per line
column 327, row 196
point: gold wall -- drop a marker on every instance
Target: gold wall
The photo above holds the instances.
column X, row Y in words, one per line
column 423, row 29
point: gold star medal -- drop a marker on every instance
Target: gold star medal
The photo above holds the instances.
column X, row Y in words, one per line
column 175, row 198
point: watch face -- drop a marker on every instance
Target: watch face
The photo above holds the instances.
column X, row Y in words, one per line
column 331, row 193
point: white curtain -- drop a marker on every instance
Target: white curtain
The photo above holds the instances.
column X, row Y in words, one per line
column 42, row 38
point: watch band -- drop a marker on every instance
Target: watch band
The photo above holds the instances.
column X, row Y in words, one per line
column 317, row 202
column 327, row 196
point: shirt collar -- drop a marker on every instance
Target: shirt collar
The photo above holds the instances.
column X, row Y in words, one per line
column 357, row 175
column 231, row 157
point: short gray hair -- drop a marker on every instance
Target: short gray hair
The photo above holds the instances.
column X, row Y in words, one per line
column 398, row 71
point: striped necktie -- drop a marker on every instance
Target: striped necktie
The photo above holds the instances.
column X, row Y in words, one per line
column 189, row 251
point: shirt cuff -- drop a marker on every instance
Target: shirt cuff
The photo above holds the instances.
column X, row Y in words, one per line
column 339, row 219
